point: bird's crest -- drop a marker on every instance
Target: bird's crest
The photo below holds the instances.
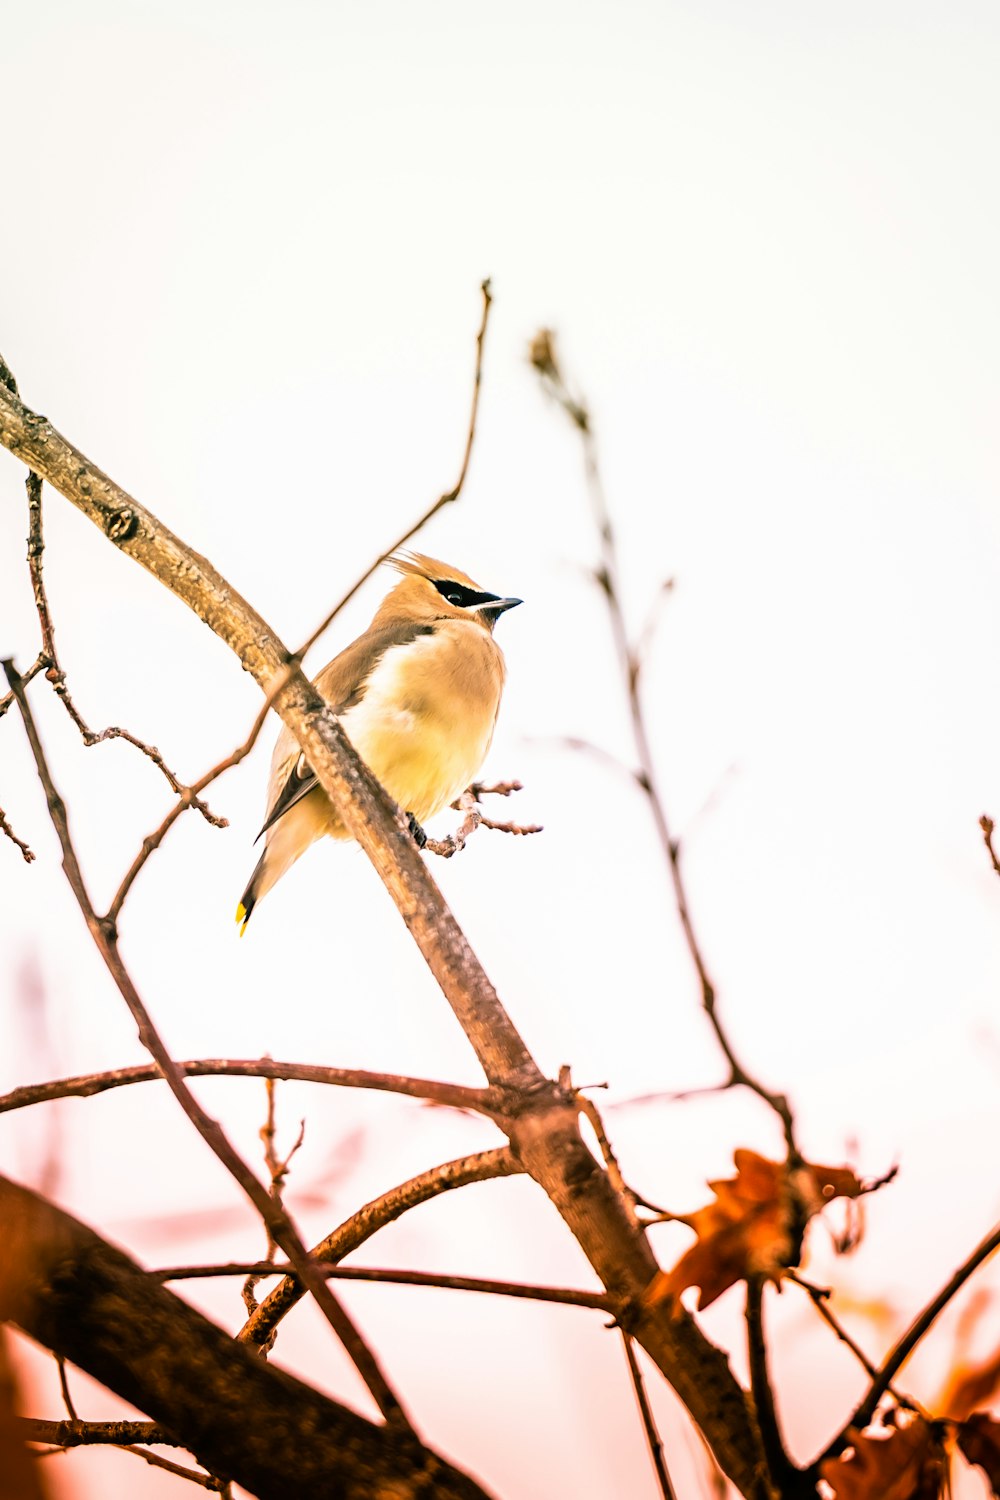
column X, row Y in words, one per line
column 417, row 565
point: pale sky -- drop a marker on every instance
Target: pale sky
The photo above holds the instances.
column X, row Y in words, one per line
column 242, row 251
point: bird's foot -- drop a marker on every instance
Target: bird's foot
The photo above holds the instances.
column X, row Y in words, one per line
column 419, row 835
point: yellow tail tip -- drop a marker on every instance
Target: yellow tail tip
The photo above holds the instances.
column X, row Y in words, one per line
column 243, row 916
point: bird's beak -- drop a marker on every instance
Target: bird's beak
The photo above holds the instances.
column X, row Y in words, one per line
column 497, row 606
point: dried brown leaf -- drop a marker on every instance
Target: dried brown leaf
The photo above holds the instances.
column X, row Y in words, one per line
column 979, row 1440
column 898, row 1463
column 754, row 1227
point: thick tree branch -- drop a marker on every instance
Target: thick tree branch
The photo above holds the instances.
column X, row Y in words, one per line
column 277, row 1437
column 546, row 1133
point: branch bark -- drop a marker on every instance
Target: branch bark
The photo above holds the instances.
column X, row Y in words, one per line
column 78, row 1295
column 545, row 1133
column 259, row 1328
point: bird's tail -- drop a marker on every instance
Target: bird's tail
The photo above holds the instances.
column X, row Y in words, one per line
column 251, row 895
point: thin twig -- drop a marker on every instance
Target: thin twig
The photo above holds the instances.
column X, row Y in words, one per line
column 106, row 938
column 455, row 842
column 820, row 1298
column 543, row 358
column 79, row 1434
column 905, row 1346
column 278, row 1168
column 39, row 664
column 778, row 1462
column 84, row 1085
column 564, row 1296
column 648, row 1422
column 186, row 799
column 27, row 854
column 196, row 1476
column 446, row 499
column 282, row 678
column 57, row 677
column 72, row 1412
column 373, row 1216
column 987, row 825
column 474, row 818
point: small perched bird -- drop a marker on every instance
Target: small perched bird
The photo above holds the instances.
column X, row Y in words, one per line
column 417, row 696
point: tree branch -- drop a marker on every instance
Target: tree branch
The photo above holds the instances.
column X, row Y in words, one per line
column 905, row 1346
column 527, row 1291
column 778, row 1463
column 27, row 854
column 543, row 358
column 446, row 499
column 653, row 1441
column 369, row 1219
column 277, row 1220
column 76, row 1294
column 77, row 1434
column 57, row 677
column 545, row 1134
column 453, row 1095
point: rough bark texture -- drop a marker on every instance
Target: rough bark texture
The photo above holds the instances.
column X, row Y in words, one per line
column 544, row 1128
column 242, row 1419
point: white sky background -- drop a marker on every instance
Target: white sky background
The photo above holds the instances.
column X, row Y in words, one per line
column 242, row 247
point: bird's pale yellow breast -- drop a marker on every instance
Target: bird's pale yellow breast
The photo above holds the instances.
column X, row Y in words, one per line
column 425, row 719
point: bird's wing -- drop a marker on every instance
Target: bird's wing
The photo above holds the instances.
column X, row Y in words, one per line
column 342, row 684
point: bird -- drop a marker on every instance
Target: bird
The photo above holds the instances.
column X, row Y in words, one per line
column 417, row 695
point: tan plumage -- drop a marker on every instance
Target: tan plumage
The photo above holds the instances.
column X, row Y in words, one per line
column 417, row 695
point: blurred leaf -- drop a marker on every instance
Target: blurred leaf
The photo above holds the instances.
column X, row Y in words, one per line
column 970, row 1386
column 899, row 1463
column 754, row 1227
column 979, row 1440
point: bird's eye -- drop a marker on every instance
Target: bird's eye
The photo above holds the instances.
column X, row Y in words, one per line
column 458, row 594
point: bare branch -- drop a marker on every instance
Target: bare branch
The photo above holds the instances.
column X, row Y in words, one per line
column 820, row 1297
column 57, row 677
column 987, row 825
column 278, row 1168
column 64, row 1388
column 544, row 359
column 77, row 1434
column 71, row 1291
column 280, row 1225
column 905, row 1346
column 473, row 818
column 388, row 1276
column 39, row 664
column 648, row 1421
column 372, row 1217
column 446, row 499
column 26, row 854
column 545, row 1133
column 778, row 1462
column 452, row 1095
column 155, row 839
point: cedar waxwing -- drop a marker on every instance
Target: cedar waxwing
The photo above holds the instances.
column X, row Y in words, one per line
column 417, row 695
